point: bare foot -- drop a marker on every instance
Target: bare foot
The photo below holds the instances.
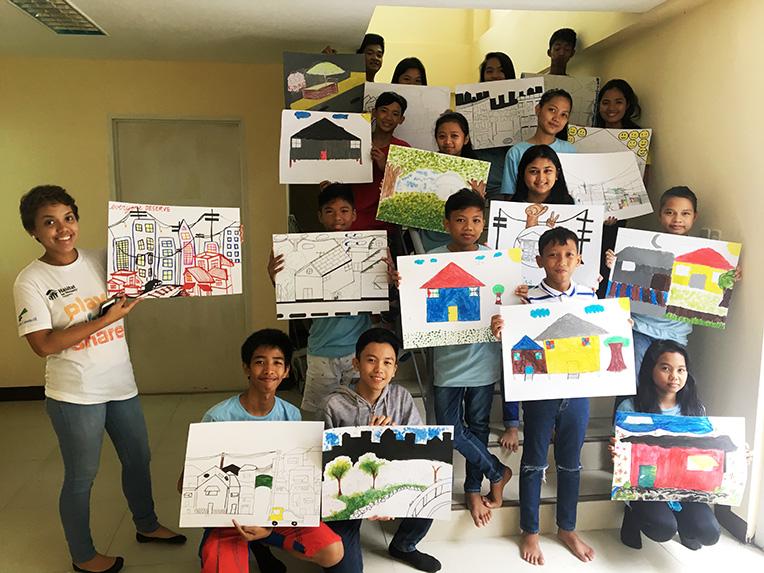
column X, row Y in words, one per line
column 530, row 549
column 97, row 563
column 577, row 547
column 496, row 495
column 481, row 514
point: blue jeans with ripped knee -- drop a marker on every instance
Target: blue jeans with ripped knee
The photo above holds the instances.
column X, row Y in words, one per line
column 564, row 422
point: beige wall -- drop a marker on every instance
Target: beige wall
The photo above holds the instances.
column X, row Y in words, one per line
column 699, row 82
column 55, row 128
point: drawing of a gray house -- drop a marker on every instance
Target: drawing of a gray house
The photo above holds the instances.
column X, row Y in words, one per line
column 217, row 491
column 644, row 277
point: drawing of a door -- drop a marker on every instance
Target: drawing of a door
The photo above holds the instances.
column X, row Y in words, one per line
column 210, row 508
column 646, row 476
column 453, row 313
column 307, row 293
column 202, row 159
column 323, row 156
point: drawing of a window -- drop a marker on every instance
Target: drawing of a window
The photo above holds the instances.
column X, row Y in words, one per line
column 628, row 266
column 432, row 293
column 123, row 254
column 355, row 144
column 142, row 273
column 296, row 143
column 474, row 291
column 549, row 344
column 138, row 227
column 166, row 275
column 149, row 227
column 211, row 490
column 682, row 270
column 150, row 244
column 141, row 245
column 140, row 260
column 167, row 263
column 586, row 341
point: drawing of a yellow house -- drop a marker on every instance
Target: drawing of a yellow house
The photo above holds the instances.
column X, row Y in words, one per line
column 571, row 345
column 700, row 269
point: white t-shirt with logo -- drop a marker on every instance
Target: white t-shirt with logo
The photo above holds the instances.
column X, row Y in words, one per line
column 95, row 370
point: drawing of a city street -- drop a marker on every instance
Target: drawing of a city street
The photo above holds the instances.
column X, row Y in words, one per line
column 610, row 179
column 331, row 274
column 162, row 251
column 500, row 113
column 263, row 473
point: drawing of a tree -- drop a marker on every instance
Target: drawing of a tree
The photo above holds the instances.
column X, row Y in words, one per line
column 498, row 290
column 616, row 344
column 435, row 470
column 727, row 280
column 370, row 464
column 337, row 470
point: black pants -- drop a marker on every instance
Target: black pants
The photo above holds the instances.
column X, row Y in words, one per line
column 410, row 532
column 696, row 521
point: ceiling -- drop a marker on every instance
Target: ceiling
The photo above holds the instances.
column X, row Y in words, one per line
column 233, row 30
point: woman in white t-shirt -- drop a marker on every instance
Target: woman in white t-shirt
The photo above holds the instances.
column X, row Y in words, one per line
column 89, row 384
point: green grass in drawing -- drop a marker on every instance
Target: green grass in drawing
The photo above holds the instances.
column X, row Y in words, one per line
column 362, row 499
column 418, row 182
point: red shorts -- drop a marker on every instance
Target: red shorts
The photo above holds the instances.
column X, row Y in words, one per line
column 305, row 540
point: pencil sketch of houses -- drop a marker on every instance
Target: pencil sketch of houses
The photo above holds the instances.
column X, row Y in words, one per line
column 603, row 140
column 255, row 484
column 582, row 89
column 331, row 274
column 610, row 179
column 500, row 113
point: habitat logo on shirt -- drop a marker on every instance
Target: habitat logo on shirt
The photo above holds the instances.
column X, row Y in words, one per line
column 63, row 292
column 24, row 312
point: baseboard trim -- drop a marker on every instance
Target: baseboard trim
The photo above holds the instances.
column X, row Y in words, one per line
column 22, row 393
column 732, row 522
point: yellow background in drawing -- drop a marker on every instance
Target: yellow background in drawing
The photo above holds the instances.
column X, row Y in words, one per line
column 637, row 140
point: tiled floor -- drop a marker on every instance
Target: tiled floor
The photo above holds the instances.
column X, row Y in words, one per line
column 31, row 539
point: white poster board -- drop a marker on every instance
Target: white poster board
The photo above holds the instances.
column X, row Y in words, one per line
column 449, row 298
column 163, row 251
column 387, row 471
column 610, row 179
column 331, row 274
column 500, row 113
column 321, row 146
column 582, row 89
column 688, row 279
column 522, row 224
column 602, row 140
column 568, row 349
column 259, row 473
column 424, row 104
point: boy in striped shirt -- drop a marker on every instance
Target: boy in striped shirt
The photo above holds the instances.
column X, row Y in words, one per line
column 562, row 421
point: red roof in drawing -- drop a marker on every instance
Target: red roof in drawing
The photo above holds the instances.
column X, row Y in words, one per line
column 452, row 276
column 707, row 257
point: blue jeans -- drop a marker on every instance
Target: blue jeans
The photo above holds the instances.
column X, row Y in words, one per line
column 410, row 532
column 80, row 428
column 566, row 420
column 468, row 410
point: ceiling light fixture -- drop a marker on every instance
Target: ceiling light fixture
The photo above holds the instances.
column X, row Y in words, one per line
column 60, row 16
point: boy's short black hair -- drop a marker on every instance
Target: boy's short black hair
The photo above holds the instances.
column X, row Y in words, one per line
column 557, row 236
column 44, row 195
column 269, row 338
column 386, row 98
column 567, row 35
column 335, row 191
column 682, row 192
column 380, row 336
column 462, row 199
column 371, row 40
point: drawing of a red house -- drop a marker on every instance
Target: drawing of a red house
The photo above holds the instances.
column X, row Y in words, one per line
column 453, row 295
column 197, row 281
column 124, row 281
column 216, row 275
column 678, row 461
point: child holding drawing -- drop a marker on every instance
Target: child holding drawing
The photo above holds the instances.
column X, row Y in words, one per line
column 667, row 387
column 331, row 340
column 465, row 375
column 375, row 401
column 562, row 421
column 552, row 112
column 89, row 383
column 265, row 358
column 452, row 134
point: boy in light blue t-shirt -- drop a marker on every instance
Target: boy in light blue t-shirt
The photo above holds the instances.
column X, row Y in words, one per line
column 465, row 375
column 331, row 341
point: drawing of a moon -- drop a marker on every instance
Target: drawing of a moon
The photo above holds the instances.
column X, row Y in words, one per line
column 654, row 241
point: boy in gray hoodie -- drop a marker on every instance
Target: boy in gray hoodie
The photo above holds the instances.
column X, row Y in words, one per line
column 373, row 401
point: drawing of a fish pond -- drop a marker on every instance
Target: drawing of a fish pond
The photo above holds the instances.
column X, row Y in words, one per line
column 390, row 471
column 417, row 184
